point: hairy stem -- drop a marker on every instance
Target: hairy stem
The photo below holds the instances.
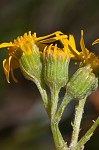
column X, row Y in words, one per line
column 45, row 98
column 77, row 121
column 87, row 136
column 64, row 103
column 54, row 101
column 58, row 139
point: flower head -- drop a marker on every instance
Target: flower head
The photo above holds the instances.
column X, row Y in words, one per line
column 85, row 57
column 21, row 44
column 25, row 44
column 55, row 63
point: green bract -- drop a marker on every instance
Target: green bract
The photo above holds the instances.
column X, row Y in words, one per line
column 31, row 65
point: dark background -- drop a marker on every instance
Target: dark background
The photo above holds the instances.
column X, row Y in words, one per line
column 24, row 124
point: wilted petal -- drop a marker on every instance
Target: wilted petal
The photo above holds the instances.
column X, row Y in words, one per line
column 14, row 65
column 12, row 74
column 6, row 67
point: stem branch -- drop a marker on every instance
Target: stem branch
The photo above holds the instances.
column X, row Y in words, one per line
column 64, row 103
column 87, row 136
column 45, row 98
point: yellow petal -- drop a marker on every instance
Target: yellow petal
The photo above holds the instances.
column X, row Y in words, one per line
column 51, row 37
column 73, row 52
column 6, row 67
column 14, row 65
column 72, row 41
column 6, row 45
column 71, row 46
column 14, row 78
column 95, row 42
column 82, row 44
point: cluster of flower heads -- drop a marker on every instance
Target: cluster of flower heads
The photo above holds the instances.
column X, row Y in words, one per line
column 25, row 44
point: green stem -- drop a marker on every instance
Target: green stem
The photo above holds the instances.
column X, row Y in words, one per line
column 54, row 100
column 64, row 103
column 45, row 98
column 87, row 136
column 77, row 121
column 58, row 139
column 41, row 87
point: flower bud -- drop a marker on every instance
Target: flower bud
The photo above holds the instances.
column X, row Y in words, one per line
column 82, row 83
column 56, row 62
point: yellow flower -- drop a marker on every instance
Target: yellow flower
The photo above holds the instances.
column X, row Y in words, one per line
column 25, row 44
column 21, row 44
column 85, row 57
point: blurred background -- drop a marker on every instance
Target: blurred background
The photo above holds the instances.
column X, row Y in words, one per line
column 24, row 124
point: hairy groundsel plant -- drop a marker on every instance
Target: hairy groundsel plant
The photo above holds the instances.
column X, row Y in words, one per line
column 45, row 63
